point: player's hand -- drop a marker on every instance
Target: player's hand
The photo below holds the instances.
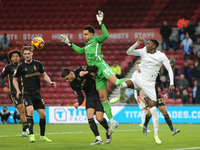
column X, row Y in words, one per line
column 17, row 95
column 65, row 39
column 76, row 105
column 100, row 17
column 140, row 40
column 165, row 96
column 138, row 99
column 53, row 84
column 6, row 90
column 82, row 73
column 171, row 88
column 142, row 98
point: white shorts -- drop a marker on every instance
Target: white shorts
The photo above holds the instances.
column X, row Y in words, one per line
column 141, row 104
column 148, row 88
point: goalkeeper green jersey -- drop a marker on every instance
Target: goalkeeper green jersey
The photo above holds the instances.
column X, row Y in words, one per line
column 92, row 49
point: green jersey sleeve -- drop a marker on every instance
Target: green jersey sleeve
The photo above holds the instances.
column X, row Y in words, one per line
column 105, row 34
column 78, row 49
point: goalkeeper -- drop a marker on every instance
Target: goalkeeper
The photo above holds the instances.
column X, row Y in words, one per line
column 92, row 51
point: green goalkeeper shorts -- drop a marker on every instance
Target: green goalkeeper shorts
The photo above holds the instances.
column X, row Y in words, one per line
column 102, row 74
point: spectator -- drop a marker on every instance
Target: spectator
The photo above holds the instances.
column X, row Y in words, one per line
column 172, row 59
column 5, row 113
column 182, row 22
column 198, row 57
column 196, row 71
column 186, row 71
column 185, row 97
column 172, row 44
column 197, row 99
column 186, row 44
column 16, row 116
column 182, row 84
column 175, row 72
column 196, row 46
column 194, row 91
column 196, row 36
column 164, row 45
column 4, row 42
column 190, row 29
column 4, row 57
column 181, row 34
column 116, row 69
column 163, row 76
column 130, row 94
column 165, row 31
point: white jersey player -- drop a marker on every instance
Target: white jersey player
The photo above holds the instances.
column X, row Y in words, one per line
column 151, row 61
column 138, row 94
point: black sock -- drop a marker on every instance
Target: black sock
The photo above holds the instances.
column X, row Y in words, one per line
column 104, row 123
column 25, row 126
column 93, row 126
column 42, row 126
column 147, row 118
column 30, row 123
column 168, row 120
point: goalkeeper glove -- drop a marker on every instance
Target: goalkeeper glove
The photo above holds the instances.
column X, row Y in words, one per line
column 65, row 39
column 100, row 17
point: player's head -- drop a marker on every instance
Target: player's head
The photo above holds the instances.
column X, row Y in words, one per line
column 14, row 56
column 68, row 75
column 88, row 32
column 137, row 65
column 27, row 52
column 152, row 45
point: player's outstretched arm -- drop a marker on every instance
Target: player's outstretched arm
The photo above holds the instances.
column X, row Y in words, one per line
column 131, row 50
column 65, row 40
column 171, row 75
column 48, row 80
column 105, row 34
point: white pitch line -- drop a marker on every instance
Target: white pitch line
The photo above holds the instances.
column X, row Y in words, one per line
column 73, row 132
column 186, row 148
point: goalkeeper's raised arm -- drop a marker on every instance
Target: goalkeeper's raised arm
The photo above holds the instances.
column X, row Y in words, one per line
column 105, row 34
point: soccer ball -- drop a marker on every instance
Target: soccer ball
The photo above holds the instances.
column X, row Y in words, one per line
column 37, row 43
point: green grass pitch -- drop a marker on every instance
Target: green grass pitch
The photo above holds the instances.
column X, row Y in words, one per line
column 79, row 136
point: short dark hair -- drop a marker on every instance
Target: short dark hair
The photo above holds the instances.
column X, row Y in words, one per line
column 12, row 52
column 89, row 28
column 65, row 72
column 155, row 42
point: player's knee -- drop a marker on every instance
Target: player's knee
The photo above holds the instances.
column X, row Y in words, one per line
column 42, row 115
column 89, row 116
column 123, row 85
column 99, row 118
column 30, row 112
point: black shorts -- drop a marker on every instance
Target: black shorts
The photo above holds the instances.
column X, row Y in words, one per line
column 93, row 101
column 34, row 99
column 14, row 99
column 160, row 101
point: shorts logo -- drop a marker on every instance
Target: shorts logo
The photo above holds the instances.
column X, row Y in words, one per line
column 60, row 114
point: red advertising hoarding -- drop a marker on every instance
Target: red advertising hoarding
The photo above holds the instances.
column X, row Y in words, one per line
column 77, row 35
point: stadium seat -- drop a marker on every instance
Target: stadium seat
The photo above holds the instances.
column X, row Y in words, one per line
column 178, row 101
column 169, row 101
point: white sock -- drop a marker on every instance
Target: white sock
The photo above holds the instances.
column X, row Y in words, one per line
column 41, row 136
column 98, row 138
column 144, row 112
column 112, row 120
column 122, row 89
column 155, row 119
